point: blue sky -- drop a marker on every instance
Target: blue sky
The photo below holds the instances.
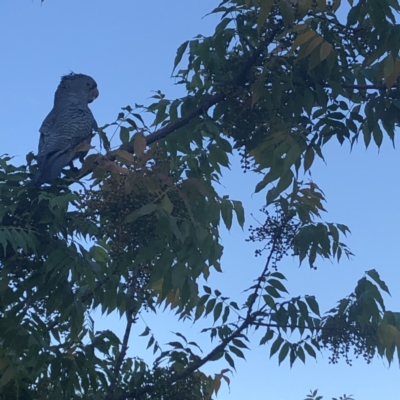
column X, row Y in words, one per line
column 128, row 47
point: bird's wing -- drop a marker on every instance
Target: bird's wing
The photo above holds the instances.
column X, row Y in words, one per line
column 45, row 130
column 62, row 133
column 48, row 123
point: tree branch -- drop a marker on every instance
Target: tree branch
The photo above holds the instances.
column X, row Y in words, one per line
column 249, row 320
column 260, row 279
column 124, row 348
column 279, row 326
column 182, row 121
column 205, row 105
column 121, row 355
column 365, row 87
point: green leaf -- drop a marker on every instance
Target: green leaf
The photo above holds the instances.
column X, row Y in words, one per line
column 237, row 352
column 210, row 306
column 218, row 156
column 161, row 113
column 308, row 159
column 199, row 312
column 3, row 239
column 203, row 299
column 265, row 9
column 207, row 289
column 226, row 314
column 166, row 204
column 312, row 303
column 99, row 254
column 104, row 139
column 310, row 350
column 374, row 275
column 303, row 308
column 217, row 356
column 288, row 13
column 284, row 352
column 282, row 185
column 275, row 346
column 230, row 360
column 124, row 135
column 293, row 355
column 268, row 336
column 179, row 53
column 226, row 211
column 6, row 376
column 162, row 266
column 176, row 345
column 269, row 301
column 234, row 305
column 258, row 89
column 196, row 81
column 278, row 275
column 179, row 273
column 151, row 342
column 239, row 210
column 378, row 135
column 301, row 354
column 239, row 343
column 292, row 156
column 217, row 311
column 277, row 285
column 173, row 109
column 366, row 134
column 272, row 292
column 351, row 125
column 325, row 50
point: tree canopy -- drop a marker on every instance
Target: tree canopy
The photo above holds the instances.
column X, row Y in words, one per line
column 137, row 227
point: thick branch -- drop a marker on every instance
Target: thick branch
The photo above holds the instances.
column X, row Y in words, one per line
column 216, row 98
column 207, row 103
column 180, row 122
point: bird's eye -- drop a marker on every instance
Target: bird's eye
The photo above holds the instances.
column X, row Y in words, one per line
column 87, row 83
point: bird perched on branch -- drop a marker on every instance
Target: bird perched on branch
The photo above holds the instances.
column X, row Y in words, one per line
column 69, row 124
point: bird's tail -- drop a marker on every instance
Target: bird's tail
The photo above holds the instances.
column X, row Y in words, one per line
column 34, row 182
column 51, row 166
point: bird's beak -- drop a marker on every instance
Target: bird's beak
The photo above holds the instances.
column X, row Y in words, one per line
column 94, row 94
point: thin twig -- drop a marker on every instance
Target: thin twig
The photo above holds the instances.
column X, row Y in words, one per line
column 365, row 87
column 316, row 328
column 260, row 279
column 195, row 366
column 129, row 322
column 121, row 355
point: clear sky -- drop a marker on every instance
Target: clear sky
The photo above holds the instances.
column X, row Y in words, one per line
column 128, row 47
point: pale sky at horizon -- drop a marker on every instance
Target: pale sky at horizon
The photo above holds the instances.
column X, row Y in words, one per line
column 129, row 48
